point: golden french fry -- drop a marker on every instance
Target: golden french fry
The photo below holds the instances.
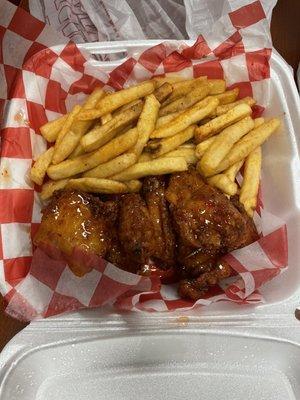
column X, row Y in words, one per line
column 188, row 117
column 223, row 144
column 182, row 103
column 187, row 153
column 78, row 151
column 97, row 185
column 224, row 108
column 61, row 146
column 146, row 123
column 102, row 134
column 67, row 142
column 88, row 161
column 52, row 186
column 106, row 118
column 248, row 143
column 161, row 166
column 217, row 86
column 222, row 182
column 126, row 107
column 258, row 121
column 163, row 91
column 160, row 80
column 232, row 171
column 133, row 186
column 228, row 97
column 39, row 169
column 184, row 87
column 144, row 157
column 188, row 146
column 51, row 129
column 172, row 142
column 203, row 146
column 218, row 124
column 250, row 184
column 165, row 120
column 115, row 100
column 112, row 167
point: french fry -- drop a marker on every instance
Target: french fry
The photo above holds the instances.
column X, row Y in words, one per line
column 250, row 184
column 78, row 151
column 172, row 142
column 217, row 86
column 218, row 124
column 51, row 186
column 88, row 161
column 165, row 120
column 248, row 143
column 187, row 153
column 126, row 107
column 223, row 144
column 232, row 171
column 67, row 142
column 188, row 117
column 133, row 186
column 96, row 185
column 184, row 87
column 203, row 146
column 222, row 109
column 60, row 145
column 161, row 166
column 112, row 167
column 195, row 95
column 222, row 182
column 258, row 121
column 102, row 134
column 146, row 123
column 115, row 100
column 51, row 129
column 106, row 118
column 188, row 146
column 160, row 80
column 163, row 91
column 144, row 157
column 39, row 169
column 228, row 97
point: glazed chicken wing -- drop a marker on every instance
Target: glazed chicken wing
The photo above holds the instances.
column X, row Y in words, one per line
column 73, row 221
column 207, row 225
column 145, row 231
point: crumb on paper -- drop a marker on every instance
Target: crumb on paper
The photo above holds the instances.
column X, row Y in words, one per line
column 20, row 117
column 183, row 320
column 4, row 174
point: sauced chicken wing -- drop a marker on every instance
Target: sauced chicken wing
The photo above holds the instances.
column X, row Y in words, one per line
column 207, row 225
column 145, row 231
column 73, row 221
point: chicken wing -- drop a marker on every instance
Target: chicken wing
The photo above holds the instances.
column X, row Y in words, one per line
column 145, row 231
column 207, row 225
column 73, row 221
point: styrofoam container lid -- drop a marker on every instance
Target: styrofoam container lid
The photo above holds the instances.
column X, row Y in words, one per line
column 220, row 352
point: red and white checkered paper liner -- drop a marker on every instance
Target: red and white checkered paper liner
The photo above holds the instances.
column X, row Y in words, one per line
column 39, row 84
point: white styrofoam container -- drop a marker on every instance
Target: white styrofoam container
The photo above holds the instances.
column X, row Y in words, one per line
column 220, row 352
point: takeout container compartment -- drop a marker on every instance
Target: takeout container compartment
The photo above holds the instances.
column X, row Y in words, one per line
column 216, row 352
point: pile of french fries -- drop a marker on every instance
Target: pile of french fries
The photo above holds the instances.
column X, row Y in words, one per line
column 159, row 126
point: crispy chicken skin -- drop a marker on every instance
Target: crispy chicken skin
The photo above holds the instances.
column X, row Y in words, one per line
column 76, row 220
column 145, row 231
